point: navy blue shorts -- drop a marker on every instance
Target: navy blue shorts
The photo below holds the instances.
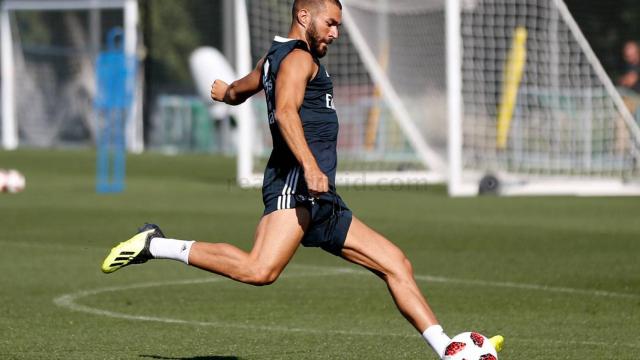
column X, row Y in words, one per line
column 330, row 216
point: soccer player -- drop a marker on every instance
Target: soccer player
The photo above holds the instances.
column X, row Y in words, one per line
column 301, row 205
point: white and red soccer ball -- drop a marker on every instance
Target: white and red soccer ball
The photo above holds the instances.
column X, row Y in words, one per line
column 470, row 346
column 11, row 181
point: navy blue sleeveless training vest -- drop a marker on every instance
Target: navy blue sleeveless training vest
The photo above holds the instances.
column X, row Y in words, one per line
column 283, row 176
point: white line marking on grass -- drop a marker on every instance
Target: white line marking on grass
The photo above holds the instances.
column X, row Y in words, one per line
column 513, row 285
column 542, row 342
column 523, row 286
column 47, row 245
column 69, row 301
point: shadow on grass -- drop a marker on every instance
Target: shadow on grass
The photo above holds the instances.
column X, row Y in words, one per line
column 212, row 357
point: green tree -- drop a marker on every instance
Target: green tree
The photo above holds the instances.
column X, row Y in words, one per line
column 172, row 29
column 169, row 37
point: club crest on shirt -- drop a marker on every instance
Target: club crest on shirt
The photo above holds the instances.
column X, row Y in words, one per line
column 329, row 99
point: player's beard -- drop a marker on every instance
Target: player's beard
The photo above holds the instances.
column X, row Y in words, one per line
column 315, row 42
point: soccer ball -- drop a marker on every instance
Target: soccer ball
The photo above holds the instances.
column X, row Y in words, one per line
column 470, row 346
column 11, row 181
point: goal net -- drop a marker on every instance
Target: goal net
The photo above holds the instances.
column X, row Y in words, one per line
column 49, row 52
column 537, row 109
column 455, row 90
column 379, row 140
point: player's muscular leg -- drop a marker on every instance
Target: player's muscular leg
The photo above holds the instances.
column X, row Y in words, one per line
column 366, row 247
column 277, row 237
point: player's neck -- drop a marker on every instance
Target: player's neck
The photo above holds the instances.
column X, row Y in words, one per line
column 298, row 34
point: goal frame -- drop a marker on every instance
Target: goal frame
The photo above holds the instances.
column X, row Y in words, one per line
column 514, row 184
column 10, row 138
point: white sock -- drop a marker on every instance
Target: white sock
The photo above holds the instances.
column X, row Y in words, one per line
column 173, row 249
column 437, row 339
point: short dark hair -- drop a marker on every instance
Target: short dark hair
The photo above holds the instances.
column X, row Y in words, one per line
column 301, row 4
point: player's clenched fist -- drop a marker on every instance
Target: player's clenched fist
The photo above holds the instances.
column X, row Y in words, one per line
column 218, row 90
column 317, row 181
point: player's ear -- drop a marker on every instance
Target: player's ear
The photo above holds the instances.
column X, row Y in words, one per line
column 304, row 18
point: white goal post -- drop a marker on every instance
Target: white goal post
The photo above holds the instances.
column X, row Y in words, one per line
column 11, row 47
column 460, row 91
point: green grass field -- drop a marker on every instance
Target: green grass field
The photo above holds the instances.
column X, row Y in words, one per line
column 559, row 277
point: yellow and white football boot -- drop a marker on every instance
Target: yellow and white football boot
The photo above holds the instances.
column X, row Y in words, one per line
column 132, row 251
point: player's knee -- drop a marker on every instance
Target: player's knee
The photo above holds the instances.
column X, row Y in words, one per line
column 402, row 269
column 407, row 266
column 264, row 276
column 405, row 269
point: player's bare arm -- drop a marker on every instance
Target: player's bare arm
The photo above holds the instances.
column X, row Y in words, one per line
column 240, row 90
column 295, row 72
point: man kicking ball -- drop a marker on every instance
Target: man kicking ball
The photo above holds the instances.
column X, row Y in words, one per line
column 301, row 205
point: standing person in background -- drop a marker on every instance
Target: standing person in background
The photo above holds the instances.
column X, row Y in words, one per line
column 631, row 71
column 629, row 87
